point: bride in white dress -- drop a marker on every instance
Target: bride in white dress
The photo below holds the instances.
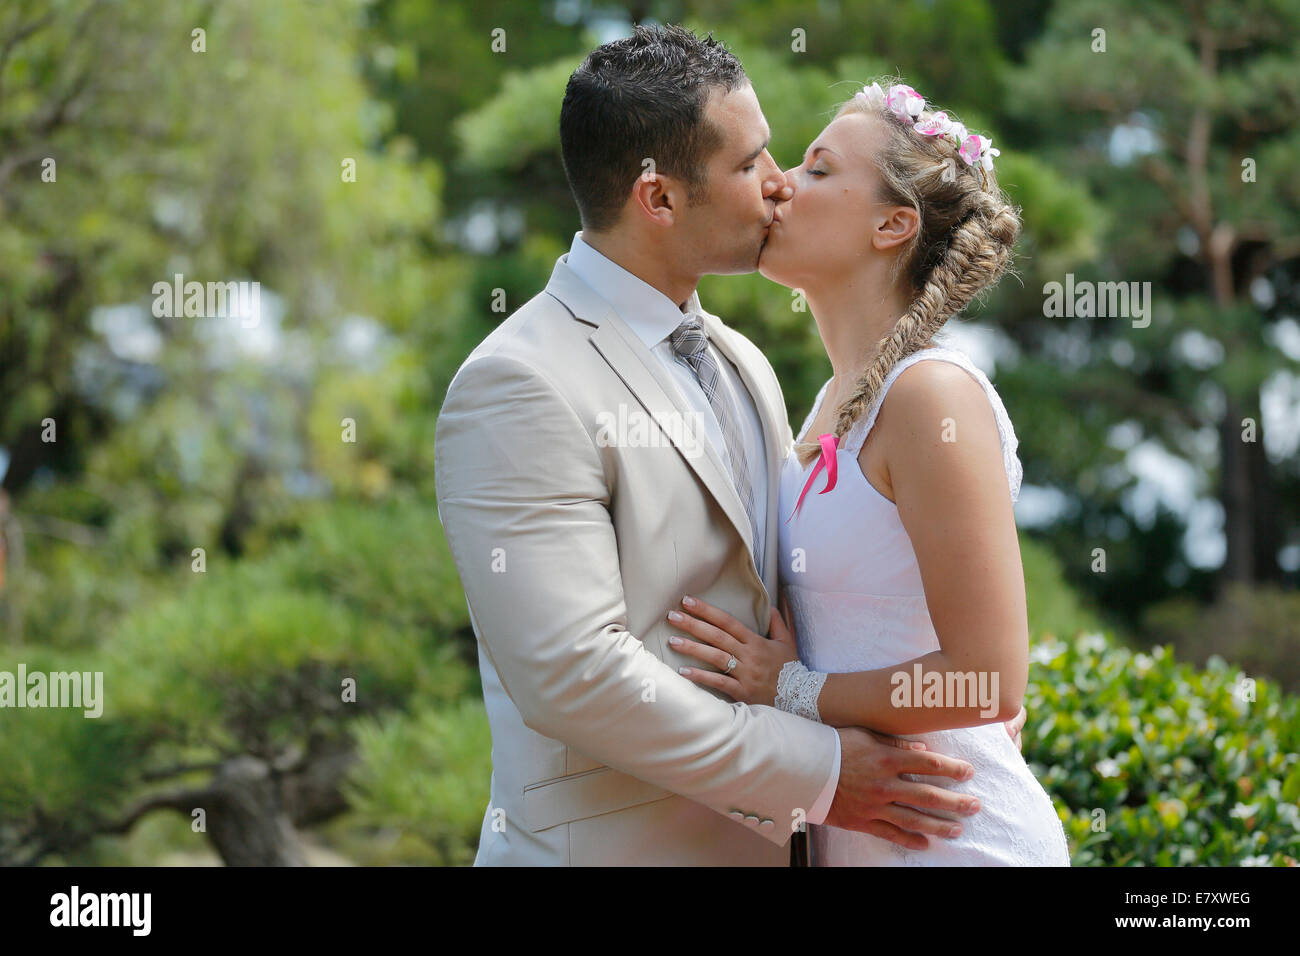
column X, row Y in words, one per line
column 858, row 604
column 900, row 562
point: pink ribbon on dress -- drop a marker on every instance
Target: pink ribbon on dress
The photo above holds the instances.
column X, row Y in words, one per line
column 827, row 460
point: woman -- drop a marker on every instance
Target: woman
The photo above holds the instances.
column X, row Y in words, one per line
column 902, row 575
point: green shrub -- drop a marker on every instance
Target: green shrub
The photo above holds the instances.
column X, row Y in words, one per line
column 388, row 560
column 1149, row 761
column 55, row 760
column 249, row 657
column 425, row 772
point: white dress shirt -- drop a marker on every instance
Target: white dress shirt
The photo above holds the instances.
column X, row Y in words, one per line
column 653, row 317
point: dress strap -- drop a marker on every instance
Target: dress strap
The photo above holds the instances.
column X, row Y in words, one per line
column 852, row 442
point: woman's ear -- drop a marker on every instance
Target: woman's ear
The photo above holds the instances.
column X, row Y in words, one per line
column 895, row 226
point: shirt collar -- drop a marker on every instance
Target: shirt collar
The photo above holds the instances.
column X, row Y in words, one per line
column 650, row 314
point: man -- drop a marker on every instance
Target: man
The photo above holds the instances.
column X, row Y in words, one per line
column 611, row 447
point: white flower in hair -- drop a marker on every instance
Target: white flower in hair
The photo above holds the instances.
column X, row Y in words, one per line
column 986, row 156
column 872, row 95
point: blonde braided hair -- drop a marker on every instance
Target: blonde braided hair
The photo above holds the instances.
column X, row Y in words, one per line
column 961, row 248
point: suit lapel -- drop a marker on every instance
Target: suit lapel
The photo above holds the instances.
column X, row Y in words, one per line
column 647, row 379
column 767, row 418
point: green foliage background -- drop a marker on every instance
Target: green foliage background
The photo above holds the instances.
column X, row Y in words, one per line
column 1162, row 715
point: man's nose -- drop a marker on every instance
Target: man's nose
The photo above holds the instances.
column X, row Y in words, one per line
column 780, row 189
column 788, row 178
column 777, row 185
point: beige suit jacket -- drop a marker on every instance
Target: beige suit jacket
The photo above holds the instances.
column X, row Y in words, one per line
column 571, row 549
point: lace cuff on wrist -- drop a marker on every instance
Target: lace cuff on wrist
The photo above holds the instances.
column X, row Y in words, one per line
column 797, row 690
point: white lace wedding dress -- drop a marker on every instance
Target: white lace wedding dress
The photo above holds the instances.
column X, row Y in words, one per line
column 858, row 604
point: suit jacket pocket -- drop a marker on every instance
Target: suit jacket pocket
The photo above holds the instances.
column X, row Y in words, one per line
column 587, row 794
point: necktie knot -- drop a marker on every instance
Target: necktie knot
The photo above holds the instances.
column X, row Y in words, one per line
column 688, row 339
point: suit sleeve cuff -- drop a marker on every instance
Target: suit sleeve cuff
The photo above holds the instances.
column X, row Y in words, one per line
column 819, row 810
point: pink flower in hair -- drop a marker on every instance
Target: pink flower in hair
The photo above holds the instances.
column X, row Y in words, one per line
column 905, row 103
column 909, row 106
column 972, row 148
column 934, row 124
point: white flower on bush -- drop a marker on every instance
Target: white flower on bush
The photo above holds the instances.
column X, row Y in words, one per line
column 1289, row 812
column 1256, row 861
column 1046, row 652
column 1243, row 811
column 1108, row 767
column 1095, row 643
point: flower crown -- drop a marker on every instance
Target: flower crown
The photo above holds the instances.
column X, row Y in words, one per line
column 908, row 105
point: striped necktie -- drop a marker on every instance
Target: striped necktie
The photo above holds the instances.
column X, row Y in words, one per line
column 691, row 345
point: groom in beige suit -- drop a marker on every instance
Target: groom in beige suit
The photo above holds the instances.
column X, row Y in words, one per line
column 613, row 446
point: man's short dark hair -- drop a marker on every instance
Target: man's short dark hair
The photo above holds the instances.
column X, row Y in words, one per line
column 637, row 98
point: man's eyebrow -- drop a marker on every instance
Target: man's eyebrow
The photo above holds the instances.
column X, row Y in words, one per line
column 754, row 155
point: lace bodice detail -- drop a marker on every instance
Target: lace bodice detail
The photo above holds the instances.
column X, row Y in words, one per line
column 851, row 577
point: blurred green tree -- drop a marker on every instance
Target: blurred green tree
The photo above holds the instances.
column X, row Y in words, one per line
column 1180, row 118
column 262, row 156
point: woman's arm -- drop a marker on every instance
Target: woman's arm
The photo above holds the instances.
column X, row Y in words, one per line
column 944, row 459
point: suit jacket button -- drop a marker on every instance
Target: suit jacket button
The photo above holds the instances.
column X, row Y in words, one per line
column 737, row 815
column 751, row 820
column 765, row 823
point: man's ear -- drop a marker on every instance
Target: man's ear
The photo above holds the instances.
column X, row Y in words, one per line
column 894, row 226
column 656, row 197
